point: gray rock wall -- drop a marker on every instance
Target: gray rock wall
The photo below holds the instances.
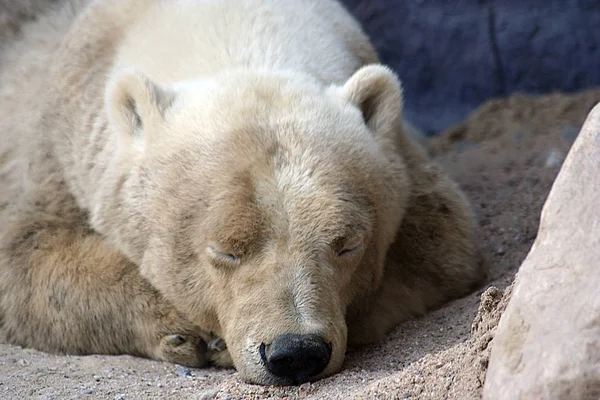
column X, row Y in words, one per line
column 454, row 54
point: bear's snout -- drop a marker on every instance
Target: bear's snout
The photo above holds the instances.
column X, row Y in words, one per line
column 296, row 358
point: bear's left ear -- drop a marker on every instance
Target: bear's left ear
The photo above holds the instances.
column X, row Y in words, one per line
column 136, row 105
column 376, row 91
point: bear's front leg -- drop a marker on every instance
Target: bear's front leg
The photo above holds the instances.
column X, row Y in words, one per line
column 63, row 289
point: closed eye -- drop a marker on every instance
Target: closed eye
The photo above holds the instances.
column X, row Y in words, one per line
column 218, row 255
column 347, row 251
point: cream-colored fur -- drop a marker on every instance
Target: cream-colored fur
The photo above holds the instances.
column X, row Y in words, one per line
column 186, row 171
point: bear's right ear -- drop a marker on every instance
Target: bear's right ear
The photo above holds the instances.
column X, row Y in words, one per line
column 136, row 105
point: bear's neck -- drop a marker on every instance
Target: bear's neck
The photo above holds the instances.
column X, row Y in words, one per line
column 75, row 125
column 100, row 178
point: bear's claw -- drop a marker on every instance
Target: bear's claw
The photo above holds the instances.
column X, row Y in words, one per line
column 217, row 344
column 175, row 340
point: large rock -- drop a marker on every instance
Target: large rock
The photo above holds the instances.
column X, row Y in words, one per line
column 454, row 54
column 547, row 345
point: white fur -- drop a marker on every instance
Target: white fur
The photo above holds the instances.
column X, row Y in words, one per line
column 215, row 35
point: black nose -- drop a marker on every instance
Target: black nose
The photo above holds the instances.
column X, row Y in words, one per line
column 296, row 357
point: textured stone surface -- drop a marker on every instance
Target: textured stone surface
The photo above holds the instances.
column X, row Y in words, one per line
column 453, row 55
column 547, row 345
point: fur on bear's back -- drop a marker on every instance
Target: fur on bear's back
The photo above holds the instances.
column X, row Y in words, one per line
column 321, row 40
column 32, row 32
column 26, row 80
column 15, row 14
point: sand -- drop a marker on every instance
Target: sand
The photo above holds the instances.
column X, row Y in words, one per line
column 505, row 157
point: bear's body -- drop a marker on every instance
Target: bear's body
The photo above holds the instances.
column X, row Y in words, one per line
column 185, row 171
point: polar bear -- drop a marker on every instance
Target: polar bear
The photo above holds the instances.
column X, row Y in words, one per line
column 223, row 181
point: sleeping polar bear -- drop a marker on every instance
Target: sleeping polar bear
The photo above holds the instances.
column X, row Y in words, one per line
column 223, row 181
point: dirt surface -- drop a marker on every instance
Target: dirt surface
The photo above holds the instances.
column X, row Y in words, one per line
column 505, row 157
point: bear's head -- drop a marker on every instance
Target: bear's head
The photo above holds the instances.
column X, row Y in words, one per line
column 260, row 204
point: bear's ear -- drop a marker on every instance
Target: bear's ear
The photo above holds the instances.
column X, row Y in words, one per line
column 135, row 104
column 376, row 91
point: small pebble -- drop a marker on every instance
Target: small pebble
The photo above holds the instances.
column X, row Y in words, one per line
column 88, row 391
column 120, row 396
column 305, row 386
column 554, row 159
column 97, row 378
column 208, row 394
column 22, row 362
column 183, row 371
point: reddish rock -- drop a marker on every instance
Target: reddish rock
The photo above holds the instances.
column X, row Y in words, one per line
column 547, row 345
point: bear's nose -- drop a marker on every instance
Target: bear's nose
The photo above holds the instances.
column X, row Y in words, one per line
column 296, row 357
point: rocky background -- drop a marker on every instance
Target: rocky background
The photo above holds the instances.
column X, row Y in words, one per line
column 454, row 55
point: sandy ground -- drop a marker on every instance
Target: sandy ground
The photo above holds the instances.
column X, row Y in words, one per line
column 505, row 157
